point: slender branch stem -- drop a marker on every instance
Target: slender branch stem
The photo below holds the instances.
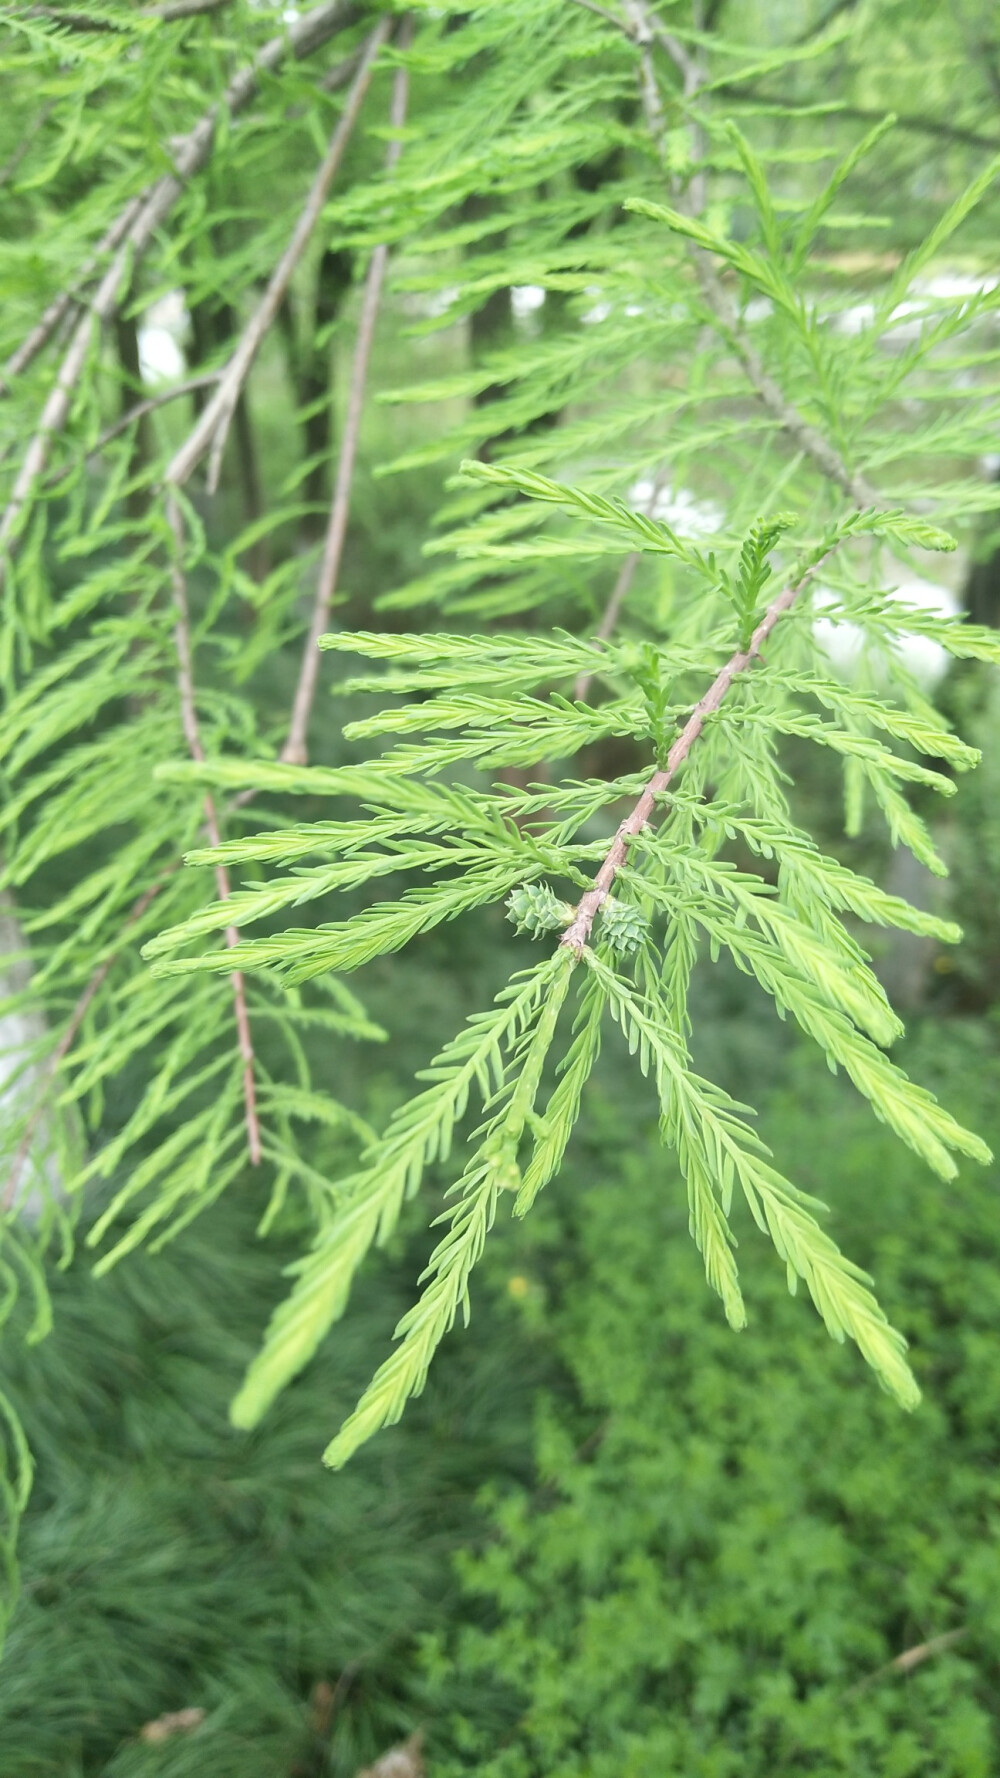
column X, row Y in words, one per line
column 589, row 906
column 182, row 9
column 643, row 29
column 295, row 750
column 150, row 404
column 192, row 734
column 825, row 456
column 212, row 427
column 911, row 1658
column 190, row 153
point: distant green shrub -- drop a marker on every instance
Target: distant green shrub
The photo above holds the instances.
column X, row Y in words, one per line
column 730, row 1538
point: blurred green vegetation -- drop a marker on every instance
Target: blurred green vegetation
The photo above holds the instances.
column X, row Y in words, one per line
column 613, row 1539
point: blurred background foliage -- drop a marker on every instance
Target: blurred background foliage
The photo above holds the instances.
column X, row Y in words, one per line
column 613, row 1540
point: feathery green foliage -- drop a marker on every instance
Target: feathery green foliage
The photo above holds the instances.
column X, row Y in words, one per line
column 697, row 404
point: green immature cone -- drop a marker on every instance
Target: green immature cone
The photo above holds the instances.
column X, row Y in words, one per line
column 535, row 908
column 623, row 926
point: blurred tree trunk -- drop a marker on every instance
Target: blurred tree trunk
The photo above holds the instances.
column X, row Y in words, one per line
column 214, row 323
column 132, row 391
column 981, row 592
column 311, row 373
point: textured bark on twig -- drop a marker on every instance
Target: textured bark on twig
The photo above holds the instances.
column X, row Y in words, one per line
column 84, row 21
column 590, row 904
column 214, row 325
column 310, row 366
column 192, row 734
column 295, row 749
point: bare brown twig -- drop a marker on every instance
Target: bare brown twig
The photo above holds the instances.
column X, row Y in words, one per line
column 212, row 427
column 589, row 906
column 642, row 29
column 295, row 750
column 190, row 153
column 134, row 227
column 192, row 734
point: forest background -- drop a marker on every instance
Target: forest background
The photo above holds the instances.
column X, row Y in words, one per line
column 612, row 1537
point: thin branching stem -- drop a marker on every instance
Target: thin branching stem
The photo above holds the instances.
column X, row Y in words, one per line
column 590, row 904
column 295, row 750
column 644, row 30
column 146, row 213
column 85, row 21
column 150, row 404
column 212, row 428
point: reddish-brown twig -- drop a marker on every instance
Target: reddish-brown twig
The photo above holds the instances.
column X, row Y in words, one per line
column 189, row 154
column 69, row 1036
column 192, row 734
column 590, row 904
column 295, row 750
column 212, row 427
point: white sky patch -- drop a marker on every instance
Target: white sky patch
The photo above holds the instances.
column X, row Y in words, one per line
column 908, row 317
column 926, row 660
column 525, row 300
column 161, row 334
column 842, row 642
column 678, row 508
